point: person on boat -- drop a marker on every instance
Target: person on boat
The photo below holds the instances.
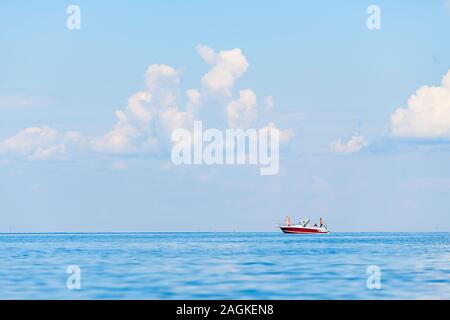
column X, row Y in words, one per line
column 287, row 221
column 321, row 222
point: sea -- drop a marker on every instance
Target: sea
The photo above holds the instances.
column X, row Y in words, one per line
column 234, row 265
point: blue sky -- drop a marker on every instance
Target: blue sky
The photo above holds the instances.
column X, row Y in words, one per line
column 334, row 83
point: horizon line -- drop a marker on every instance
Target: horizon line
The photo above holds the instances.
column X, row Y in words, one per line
column 166, row 232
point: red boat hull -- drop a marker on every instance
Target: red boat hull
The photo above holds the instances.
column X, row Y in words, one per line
column 302, row 230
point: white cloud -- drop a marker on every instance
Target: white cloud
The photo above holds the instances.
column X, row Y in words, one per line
column 39, row 143
column 145, row 124
column 427, row 114
column 122, row 139
column 172, row 119
column 150, row 116
column 194, row 98
column 137, row 105
column 158, row 75
column 228, row 66
column 207, row 54
column 153, row 113
column 52, row 152
column 241, row 113
column 286, row 135
column 269, row 103
column 354, row 144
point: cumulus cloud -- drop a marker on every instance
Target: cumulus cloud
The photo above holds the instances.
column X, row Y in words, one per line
column 228, row 66
column 153, row 113
column 160, row 75
column 40, row 143
column 354, row 144
column 241, row 113
column 194, row 99
column 427, row 114
column 207, row 54
column 150, row 115
column 285, row 134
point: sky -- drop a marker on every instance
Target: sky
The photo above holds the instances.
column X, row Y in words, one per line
column 86, row 114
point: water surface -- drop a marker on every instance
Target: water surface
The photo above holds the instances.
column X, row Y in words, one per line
column 225, row 265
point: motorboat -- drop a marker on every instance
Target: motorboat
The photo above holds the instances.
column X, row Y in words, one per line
column 303, row 227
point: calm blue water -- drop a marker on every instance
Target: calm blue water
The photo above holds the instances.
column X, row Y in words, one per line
column 225, row 265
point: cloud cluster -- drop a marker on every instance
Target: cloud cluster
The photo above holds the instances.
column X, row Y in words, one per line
column 41, row 143
column 242, row 112
column 228, row 66
column 356, row 143
column 151, row 114
column 427, row 114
